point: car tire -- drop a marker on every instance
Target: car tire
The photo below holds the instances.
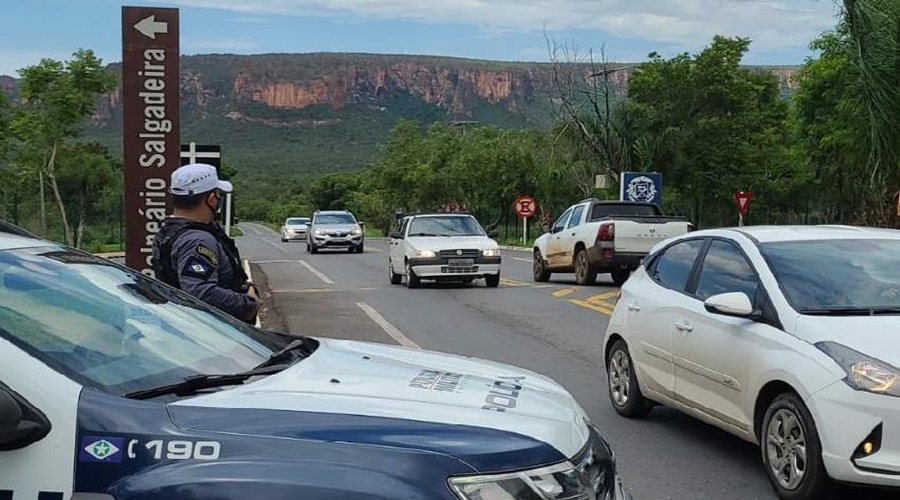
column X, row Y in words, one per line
column 539, row 268
column 492, row 280
column 313, row 249
column 622, row 383
column 395, row 278
column 412, row 281
column 585, row 274
column 360, row 249
column 786, row 425
column 620, row 276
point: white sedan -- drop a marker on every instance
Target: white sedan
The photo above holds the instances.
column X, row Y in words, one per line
column 443, row 247
column 783, row 336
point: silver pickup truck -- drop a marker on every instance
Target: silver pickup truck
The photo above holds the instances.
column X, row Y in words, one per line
column 603, row 237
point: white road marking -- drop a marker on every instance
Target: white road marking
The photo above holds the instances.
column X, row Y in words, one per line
column 523, row 260
column 282, row 250
column 319, row 274
column 386, row 326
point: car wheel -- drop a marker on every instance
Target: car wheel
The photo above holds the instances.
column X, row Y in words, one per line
column 360, row 249
column 585, row 274
column 412, row 281
column 539, row 268
column 492, row 280
column 395, row 278
column 620, row 276
column 313, row 249
column 624, row 390
column 792, row 452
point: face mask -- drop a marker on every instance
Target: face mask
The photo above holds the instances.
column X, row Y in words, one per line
column 217, row 208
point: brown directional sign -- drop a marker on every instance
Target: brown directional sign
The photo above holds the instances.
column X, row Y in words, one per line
column 150, row 102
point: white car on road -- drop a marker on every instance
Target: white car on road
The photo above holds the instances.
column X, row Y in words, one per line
column 294, row 228
column 443, row 247
column 783, row 336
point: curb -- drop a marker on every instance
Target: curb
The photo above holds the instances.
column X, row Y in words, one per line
column 516, row 249
column 246, row 265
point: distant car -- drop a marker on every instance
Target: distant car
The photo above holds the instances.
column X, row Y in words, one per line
column 335, row 229
column 443, row 247
column 595, row 236
column 294, row 228
column 783, row 336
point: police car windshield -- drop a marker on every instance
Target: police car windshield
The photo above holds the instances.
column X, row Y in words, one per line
column 335, row 219
column 445, row 226
column 116, row 330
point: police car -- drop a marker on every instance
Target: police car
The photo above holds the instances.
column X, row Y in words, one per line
column 115, row 386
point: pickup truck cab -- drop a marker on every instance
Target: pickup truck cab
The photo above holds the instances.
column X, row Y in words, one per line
column 595, row 237
column 114, row 386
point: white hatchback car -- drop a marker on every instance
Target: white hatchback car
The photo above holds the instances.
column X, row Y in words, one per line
column 783, row 336
column 443, row 247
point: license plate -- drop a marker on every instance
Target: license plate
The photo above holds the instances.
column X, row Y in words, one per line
column 462, row 262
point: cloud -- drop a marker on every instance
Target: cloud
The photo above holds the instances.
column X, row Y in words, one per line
column 232, row 45
column 772, row 24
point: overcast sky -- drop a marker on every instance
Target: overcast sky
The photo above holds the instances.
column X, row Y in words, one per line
column 486, row 29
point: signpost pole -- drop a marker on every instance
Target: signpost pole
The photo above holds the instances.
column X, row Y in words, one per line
column 524, row 231
column 740, row 219
column 228, row 214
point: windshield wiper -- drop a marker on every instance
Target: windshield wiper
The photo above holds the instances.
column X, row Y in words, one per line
column 850, row 311
column 427, row 235
column 296, row 349
column 191, row 385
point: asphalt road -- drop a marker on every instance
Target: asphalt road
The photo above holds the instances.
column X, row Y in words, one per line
column 556, row 329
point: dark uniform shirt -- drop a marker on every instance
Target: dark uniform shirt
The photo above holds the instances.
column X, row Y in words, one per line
column 205, row 271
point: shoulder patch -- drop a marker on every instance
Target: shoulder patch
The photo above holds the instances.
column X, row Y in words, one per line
column 209, row 254
column 197, row 268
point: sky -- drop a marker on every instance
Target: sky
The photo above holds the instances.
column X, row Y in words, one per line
column 516, row 30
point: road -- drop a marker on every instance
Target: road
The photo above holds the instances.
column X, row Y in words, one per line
column 556, row 329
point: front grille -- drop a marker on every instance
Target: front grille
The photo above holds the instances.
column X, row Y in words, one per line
column 460, row 254
column 459, row 270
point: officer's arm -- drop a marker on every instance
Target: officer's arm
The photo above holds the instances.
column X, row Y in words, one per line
column 194, row 256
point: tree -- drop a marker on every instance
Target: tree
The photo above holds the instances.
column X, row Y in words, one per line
column 87, row 184
column 56, row 98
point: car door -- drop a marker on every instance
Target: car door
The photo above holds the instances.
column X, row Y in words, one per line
column 556, row 250
column 571, row 233
column 43, row 469
column 398, row 247
column 653, row 300
column 713, row 352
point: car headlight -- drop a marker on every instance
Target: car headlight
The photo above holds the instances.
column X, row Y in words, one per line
column 493, row 252
column 426, row 254
column 864, row 373
column 319, row 232
column 357, row 232
column 561, row 481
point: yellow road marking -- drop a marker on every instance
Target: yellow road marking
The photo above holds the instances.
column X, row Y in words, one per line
column 509, row 282
column 603, row 296
column 593, row 307
column 562, row 293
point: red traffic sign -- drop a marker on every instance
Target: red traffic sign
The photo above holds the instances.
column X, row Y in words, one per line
column 526, row 206
column 742, row 200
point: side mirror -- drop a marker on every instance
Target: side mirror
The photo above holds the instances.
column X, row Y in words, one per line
column 236, row 221
column 545, row 228
column 396, row 236
column 16, row 430
column 735, row 304
column 493, row 234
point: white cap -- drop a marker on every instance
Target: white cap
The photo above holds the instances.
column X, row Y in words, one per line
column 197, row 178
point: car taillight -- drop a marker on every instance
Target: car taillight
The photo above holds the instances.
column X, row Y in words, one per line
column 607, row 232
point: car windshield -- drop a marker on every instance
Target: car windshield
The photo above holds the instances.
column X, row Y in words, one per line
column 623, row 210
column 297, row 222
column 445, row 226
column 335, row 219
column 848, row 274
column 116, row 330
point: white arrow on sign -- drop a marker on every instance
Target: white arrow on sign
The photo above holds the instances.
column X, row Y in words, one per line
column 150, row 27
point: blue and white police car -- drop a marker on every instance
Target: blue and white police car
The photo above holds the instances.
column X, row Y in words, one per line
column 115, row 386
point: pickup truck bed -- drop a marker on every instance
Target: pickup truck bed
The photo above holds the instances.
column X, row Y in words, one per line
column 595, row 237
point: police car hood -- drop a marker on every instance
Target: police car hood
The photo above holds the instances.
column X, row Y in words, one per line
column 345, row 378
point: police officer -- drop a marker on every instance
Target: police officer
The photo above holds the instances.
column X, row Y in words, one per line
column 193, row 253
